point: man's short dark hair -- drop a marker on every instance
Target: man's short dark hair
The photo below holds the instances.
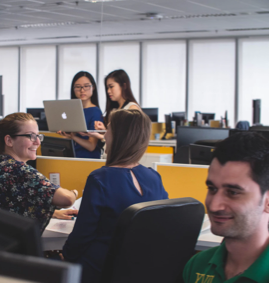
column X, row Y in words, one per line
column 249, row 147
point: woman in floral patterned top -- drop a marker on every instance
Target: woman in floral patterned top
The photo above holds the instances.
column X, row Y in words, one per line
column 23, row 189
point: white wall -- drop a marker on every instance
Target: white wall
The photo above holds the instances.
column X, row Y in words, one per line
column 211, row 81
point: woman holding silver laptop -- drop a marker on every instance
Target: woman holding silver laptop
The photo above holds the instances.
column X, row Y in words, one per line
column 84, row 87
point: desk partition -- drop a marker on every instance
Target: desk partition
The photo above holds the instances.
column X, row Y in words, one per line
column 184, row 180
column 73, row 172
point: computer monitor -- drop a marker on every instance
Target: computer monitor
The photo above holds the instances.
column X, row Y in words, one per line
column 37, row 113
column 208, row 116
column 188, row 135
column 256, row 111
column 57, row 147
column 259, row 128
column 200, row 154
column 264, row 133
column 179, row 118
column 1, row 97
column 235, row 131
column 22, row 269
column 152, row 113
column 168, row 125
column 19, row 234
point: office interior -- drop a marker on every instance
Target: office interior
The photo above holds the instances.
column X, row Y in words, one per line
column 181, row 56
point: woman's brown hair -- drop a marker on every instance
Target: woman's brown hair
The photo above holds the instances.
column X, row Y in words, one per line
column 10, row 125
column 130, row 136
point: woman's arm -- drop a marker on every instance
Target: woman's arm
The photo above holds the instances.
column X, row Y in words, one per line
column 87, row 221
column 89, row 144
column 64, row 198
column 67, row 214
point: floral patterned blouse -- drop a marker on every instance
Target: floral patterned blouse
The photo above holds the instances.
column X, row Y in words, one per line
column 25, row 191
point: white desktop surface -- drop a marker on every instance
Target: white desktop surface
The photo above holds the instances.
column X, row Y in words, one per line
column 172, row 143
column 54, row 240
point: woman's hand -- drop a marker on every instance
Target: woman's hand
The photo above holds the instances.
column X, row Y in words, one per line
column 69, row 135
column 99, row 125
column 67, row 214
column 92, row 134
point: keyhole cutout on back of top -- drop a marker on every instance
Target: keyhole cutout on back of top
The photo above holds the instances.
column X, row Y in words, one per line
column 136, row 184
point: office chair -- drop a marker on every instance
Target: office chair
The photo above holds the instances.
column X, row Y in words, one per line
column 242, row 125
column 153, row 241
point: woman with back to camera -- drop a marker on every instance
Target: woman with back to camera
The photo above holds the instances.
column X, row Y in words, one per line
column 23, row 189
column 111, row 189
column 118, row 95
column 84, row 87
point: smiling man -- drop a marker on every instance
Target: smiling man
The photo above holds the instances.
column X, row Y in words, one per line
column 238, row 207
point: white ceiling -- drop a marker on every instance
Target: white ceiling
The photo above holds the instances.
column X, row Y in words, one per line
column 46, row 21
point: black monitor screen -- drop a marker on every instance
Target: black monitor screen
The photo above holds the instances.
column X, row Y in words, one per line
column 19, row 234
column 200, row 154
column 152, row 113
column 57, row 147
column 21, row 268
column 264, row 133
column 179, row 118
column 208, row 116
column 188, row 135
column 235, row 131
column 36, row 112
column 168, row 125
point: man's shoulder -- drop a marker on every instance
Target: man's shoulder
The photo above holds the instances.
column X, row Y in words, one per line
column 202, row 258
column 199, row 264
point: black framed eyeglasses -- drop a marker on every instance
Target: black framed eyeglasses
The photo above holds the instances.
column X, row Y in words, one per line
column 85, row 87
column 32, row 137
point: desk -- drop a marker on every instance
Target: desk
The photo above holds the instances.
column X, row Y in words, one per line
column 172, row 143
column 162, row 146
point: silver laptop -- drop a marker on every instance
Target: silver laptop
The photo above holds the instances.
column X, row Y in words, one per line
column 66, row 116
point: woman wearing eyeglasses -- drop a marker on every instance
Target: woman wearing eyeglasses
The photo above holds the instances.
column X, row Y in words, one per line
column 23, row 189
column 84, row 87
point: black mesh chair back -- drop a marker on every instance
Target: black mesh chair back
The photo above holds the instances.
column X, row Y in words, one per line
column 153, row 241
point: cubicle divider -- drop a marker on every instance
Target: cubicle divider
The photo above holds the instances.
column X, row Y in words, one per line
column 160, row 149
column 72, row 173
column 183, row 180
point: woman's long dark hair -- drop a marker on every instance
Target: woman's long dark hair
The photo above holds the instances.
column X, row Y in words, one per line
column 94, row 98
column 120, row 77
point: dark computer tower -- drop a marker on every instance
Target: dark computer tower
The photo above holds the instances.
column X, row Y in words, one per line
column 256, row 111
